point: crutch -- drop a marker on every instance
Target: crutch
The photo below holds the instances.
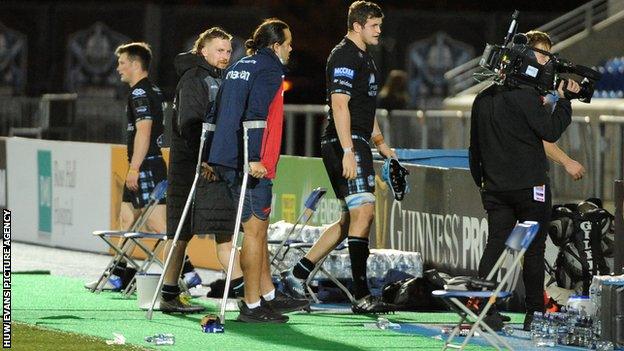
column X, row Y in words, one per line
column 247, row 125
column 206, row 127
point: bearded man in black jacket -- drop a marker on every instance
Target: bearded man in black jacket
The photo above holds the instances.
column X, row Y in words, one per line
column 212, row 211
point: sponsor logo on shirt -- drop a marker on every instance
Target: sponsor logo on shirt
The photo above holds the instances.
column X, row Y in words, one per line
column 244, row 75
column 141, row 109
column 372, row 85
column 343, row 82
column 343, row 72
column 138, row 92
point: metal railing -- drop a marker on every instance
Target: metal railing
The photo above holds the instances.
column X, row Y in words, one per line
column 595, row 142
column 581, row 19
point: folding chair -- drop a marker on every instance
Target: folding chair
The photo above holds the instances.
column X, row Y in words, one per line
column 277, row 261
column 123, row 249
column 150, row 253
column 518, row 241
column 319, row 268
column 287, row 243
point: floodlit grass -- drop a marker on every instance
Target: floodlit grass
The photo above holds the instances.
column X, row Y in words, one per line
column 29, row 337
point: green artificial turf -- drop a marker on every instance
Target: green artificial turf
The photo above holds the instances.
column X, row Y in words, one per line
column 62, row 303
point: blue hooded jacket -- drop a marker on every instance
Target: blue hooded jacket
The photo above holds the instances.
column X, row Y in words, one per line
column 252, row 90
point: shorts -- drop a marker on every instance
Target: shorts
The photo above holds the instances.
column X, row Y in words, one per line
column 332, row 153
column 258, row 195
column 153, row 170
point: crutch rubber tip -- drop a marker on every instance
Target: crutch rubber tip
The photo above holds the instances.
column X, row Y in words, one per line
column 211, row 323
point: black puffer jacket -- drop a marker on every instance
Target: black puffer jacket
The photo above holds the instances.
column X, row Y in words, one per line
column 213, row 210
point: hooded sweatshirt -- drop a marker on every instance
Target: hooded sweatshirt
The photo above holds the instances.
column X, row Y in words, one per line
column 195, row 93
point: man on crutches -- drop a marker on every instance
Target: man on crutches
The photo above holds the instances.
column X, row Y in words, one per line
column 200, row 72
column 248, row 134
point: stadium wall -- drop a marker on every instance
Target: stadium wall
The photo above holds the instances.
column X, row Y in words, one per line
column 61, row 191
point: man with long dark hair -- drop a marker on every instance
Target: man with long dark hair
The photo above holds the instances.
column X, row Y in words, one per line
column 253, row 91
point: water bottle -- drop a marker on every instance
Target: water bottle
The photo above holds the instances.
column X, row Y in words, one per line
column 545, row 335
column 562, row 331
column 402, row 263
column 371, row 265
column 604, row 345
column 330, row 265
column 417, row 264
column 594, row 293
column 383, row 323
column 344, row 266
column 582, row 304
column 536, row 325
column 161, row 339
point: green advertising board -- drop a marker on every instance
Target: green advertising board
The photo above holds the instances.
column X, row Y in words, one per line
column 296, row 178
column 44, row 180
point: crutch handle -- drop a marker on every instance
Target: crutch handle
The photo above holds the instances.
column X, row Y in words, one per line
column 314, row 198
column 159, row 191
column 258, row 124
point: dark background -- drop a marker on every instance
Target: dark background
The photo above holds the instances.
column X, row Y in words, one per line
column 316, row 25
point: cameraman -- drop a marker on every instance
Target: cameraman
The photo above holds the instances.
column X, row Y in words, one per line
column 541, row 40
column 508, row 163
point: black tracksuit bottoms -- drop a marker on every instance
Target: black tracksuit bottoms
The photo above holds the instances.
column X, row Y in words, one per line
column 504, row 208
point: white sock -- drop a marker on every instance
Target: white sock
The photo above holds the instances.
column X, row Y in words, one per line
column 253, row 305
column 269, row 296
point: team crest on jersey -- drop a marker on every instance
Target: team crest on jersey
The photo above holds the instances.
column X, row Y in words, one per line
column 343, row 72
column 138, row 92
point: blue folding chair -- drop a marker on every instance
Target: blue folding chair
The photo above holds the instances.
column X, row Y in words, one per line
column 518, row 242
column 128, row 239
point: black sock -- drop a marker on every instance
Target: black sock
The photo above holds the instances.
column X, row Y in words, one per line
column 169, row 292
column 303, row 268
column 238, row 286
column 358, row 253
column 188, row 266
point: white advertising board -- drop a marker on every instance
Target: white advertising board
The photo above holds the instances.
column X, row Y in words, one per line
column 59, row 192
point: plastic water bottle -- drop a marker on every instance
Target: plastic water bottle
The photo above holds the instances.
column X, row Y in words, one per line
column 604, row 345
column 582, row 304
column 403, row 263
column 594, row 295
column 161, row 339
column 344, row 266
column 330, row 265
column 545, row 332
column 536, row 325
column 383, row 323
